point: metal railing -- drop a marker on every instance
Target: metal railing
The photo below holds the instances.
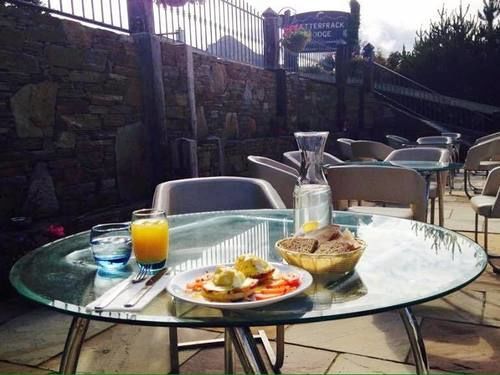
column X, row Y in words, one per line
column 230, row 29
column 109, row 14
column 428, row 103
column 308, row 62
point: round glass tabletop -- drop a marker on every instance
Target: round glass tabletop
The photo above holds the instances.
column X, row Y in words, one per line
column 419, row 166
column 405, row 263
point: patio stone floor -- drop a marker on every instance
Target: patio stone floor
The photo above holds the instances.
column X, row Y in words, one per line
column 461, row 333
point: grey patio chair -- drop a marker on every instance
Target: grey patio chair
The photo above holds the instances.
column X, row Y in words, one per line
column 394, row 185
column 435, row 140
column 487, row 204
column 487, row 138
column 344, row 146
column 216, row 194
column 456, row 139
column 396, row 141
column 426, row 154
column 280, row 176
column 481, row 157
column 292, row 159
column 370, row 150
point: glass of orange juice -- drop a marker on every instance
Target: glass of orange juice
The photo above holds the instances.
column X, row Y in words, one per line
column 149, row 232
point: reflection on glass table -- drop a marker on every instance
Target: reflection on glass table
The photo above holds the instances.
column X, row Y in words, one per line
column 405, row 263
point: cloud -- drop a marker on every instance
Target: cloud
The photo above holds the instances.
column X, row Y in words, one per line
column 388, row 37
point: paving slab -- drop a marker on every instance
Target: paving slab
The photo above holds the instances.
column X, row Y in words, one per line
column 11, row 368
column 492, row 309
column 298, row 360
column 462, row 347
column 35, row 337
column 487, row 281
column 355, row 364
column 382, row 335
column 462, row 306
column 132, row 349
column 15, row 307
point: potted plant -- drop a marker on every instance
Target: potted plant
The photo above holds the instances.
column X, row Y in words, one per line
column 295, row 38
column 178, row 3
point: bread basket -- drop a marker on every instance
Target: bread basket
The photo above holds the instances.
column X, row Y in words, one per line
column 336, row 263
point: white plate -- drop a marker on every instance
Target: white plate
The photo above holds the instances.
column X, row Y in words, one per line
column 177, row 288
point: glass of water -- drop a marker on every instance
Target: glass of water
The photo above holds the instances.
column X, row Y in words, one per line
column 111, row 246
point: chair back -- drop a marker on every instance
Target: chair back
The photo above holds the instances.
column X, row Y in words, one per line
column 344, row 146
column 292, row 159
column 380, row 184
column 420, row 154
column 487, row 138
column 396, row 141
column 454, row 136
column 215, row 194
column 483, row 151
column 282, row 177
column 435, row 140
column 370, row 150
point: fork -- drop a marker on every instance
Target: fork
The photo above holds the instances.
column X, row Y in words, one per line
column 141, row 275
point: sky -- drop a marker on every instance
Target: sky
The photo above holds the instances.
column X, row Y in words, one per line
column 387, row 24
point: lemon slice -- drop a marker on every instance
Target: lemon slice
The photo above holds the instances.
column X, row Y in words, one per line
column 309, row 226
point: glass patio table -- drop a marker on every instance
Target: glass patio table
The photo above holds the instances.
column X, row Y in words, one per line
column 405, row 263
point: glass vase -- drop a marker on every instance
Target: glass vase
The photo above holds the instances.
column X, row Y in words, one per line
column 312, row 193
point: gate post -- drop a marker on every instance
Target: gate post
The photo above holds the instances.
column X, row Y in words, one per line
column 271, row 39
column 148, row 47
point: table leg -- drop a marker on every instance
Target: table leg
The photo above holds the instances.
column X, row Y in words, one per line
column 277, row 358
column 416, row 341
column 173, row 350
column 228, row 353
column 247, row 350
column 440, row 192
column 73, row 345
column 427, row 178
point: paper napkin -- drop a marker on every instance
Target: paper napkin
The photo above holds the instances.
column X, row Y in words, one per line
column 118, row 303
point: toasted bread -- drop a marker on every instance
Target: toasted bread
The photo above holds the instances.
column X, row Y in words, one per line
column 300, row 244
column 329, row 233
column 215, row 293
column 332, row 247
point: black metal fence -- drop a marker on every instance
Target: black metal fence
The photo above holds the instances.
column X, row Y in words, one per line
column 110, row 14
column 231, row 29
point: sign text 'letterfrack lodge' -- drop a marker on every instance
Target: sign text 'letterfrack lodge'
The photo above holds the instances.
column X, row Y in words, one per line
column 328, row 29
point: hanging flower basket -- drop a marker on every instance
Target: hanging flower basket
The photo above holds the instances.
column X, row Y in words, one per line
column 295, row 38
column 178, row 3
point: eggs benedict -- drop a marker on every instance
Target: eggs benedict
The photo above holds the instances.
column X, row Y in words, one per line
column 228, row 285
column 254, row 267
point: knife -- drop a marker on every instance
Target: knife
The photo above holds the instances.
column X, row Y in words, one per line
column 147, row 287
column 111, row 297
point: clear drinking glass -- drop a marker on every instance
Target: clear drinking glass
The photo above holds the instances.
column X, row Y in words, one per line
column 111, row 245
column 149, row 229
column 312, row 193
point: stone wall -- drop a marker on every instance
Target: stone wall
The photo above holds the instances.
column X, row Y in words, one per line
column 69, row 97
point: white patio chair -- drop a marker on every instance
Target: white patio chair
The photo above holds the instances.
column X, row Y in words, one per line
column 487, row 204
column 216, row 194
column 425, row 154
column 383, row 184
column 370, row 150
column 280, row 176
column 292, row 159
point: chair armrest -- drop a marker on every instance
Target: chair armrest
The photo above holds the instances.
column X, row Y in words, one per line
column 492, row 182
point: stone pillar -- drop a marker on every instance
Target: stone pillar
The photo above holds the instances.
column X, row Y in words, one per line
column 271, row 39
column 148, row 48
column 341, row 71
column 368, row 58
